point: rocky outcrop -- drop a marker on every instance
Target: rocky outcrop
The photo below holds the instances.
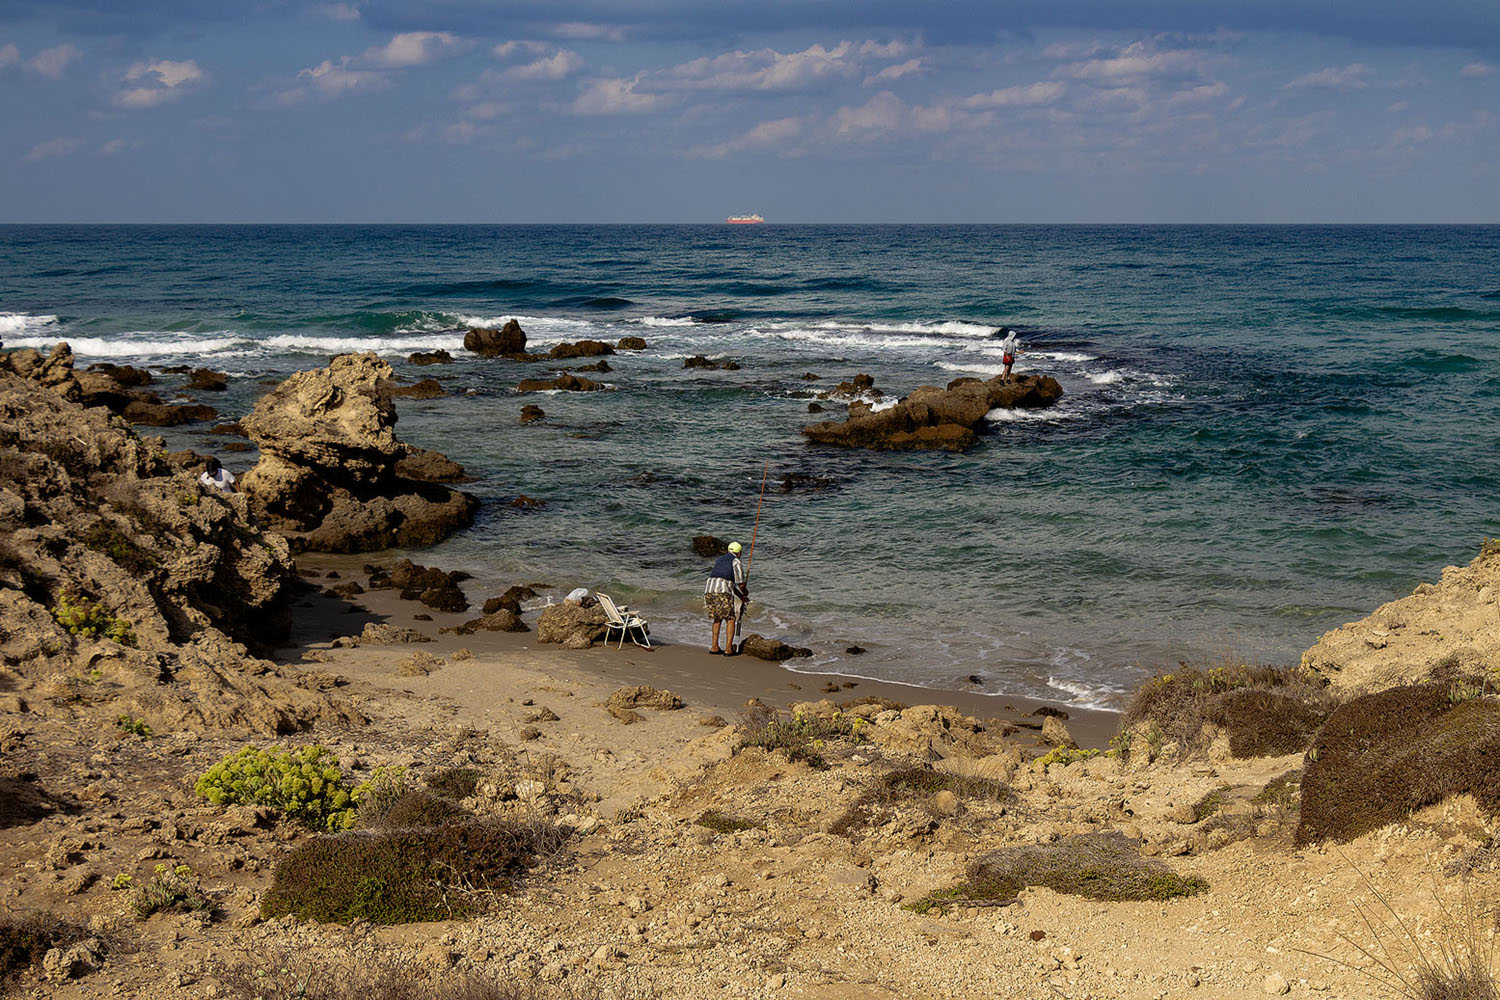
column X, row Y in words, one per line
column 111, row 386
column 117, row 568
column 932, row 418
column 699, row 361
column 771, row 649
column 567, row 383
column 206, row 380
column 431, row 467
column 580, row 349
column 531, row 413
column 570, row 626
column 436, row 588
column 709, row 546
column 430, row 358
column 491, row 343
column 328, row 476
column 502, row 620
column 1440, row 631
column 427, row 388
column 630, row 344
column 510, row 600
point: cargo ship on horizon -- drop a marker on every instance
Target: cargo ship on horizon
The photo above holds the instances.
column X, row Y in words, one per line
column 744, row 220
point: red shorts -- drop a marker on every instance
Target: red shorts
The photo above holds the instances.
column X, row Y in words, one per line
column 1009, row 359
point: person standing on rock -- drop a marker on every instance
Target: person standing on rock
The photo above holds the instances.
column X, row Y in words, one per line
column 217, row 476
column 1009, row 348
column 726, row 583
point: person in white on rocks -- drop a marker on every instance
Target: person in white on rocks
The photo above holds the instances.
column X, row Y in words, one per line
column 217, row 476
column 1009, row 348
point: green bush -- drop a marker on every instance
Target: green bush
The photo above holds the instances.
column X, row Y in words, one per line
column 88, row 619
column 1383, row 756
column 306, row 784
column 104, row 537
column 454, row 782
column 722, row 822
column 1103, row 866
column 1265, row 711
column 25, row 938
column 408, row 875
column 132, row 726
column 171, row 890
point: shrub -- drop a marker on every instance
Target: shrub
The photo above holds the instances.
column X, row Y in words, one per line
column 1490, row 547
column 1103, row 866
column 104, row 537
column 801, row 737
column 412, row 808
column 25, row 938
column 306, row 784
column 401, row 876
column 903, row 784
column 1265, row 711
column 1065, row 756
column 171, row 890
column 720, row 822
column 1382, row 756
column 132, row 726
column 88, row 619
column 454, row 782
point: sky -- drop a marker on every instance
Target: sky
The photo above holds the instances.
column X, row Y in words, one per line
column 994, row 111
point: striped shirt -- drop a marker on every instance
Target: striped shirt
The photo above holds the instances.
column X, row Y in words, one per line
column 719, row 585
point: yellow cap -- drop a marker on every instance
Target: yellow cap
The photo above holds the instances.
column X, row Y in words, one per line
column 734, row 547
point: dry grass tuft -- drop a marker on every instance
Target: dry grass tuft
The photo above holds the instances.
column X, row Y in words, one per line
column 909, row 784
column 25, row 938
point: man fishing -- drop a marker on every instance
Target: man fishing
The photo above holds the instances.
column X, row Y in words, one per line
column 726, row 585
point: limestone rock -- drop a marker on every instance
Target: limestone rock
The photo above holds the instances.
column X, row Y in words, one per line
column 431, row 467
column 570, row 626
column 933, row 418
column 430, row 358
column 630, row 344
column 771, row 649
column 1055, row 734
column 501, row 620
column 581, row 349
column 566, row 383
column 427, row 388
column 491, row 343
column 531, row 413
column 644, row 696
column 328, row 475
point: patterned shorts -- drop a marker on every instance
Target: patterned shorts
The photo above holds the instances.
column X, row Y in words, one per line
column 720, row 606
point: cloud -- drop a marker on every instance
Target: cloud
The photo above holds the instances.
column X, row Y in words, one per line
column 52, row 62
column 1351, row 77
column 9, row 55
column 557, row 66
column 115, row 147
column 616, row 96
column 157, row 82
column 585, row 32
column 1030, row 96
column 414, row 48
column 895, row 72
column 53, row 148
column 766, row 134
column 331, row 79
column 1479, row 69
column 770, row 70
column 879, row 116
column 1138, row 61
column 338, row 11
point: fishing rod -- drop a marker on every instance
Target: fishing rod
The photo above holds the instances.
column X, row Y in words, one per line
column 740, row 618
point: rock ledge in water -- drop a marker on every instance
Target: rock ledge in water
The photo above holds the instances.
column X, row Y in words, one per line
column 932, row 418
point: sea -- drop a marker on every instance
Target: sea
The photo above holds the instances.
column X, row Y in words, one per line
column 1266, row 431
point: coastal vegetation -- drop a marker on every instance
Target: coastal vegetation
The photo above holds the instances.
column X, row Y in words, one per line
column 306, row 784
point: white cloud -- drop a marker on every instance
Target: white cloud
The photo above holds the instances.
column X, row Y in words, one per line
column 1351, row 77
column 115, row 147
column 879, row 116
column 1199, row 94
column 1398, row 107
column 1139, row 60
column 414, row 48
column 486, row 110
column 615, row 96
column 61, row 146
column 1030, row 96
column 585, row 32
column 157, row 82
column 333, row 79
column 9, row 55
column 895, row 72
column 770, row 70
column 339, row 11
column 764, row 135
column 52, row 62
column 557, row 66
column 1479, row 69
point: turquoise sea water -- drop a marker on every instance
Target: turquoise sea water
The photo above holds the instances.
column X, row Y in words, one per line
column 1267, row 430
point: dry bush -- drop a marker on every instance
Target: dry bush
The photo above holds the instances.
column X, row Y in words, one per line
column 1385, row 755
column 454, row 782
column 406, row 875
column 1103, row 866
column 722, row 822
column 909, row 784
column 25, row 938
column 884, row 704
column 801, row 737
column 1265, row 711
column 413, row 808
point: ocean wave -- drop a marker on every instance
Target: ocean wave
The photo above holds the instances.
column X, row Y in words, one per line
column 1103, row 697
column 1061, row 355
column 21, row 322
column 124, row 347
column 664, row 321
column 537, row 327
column 972, row 366
column 1016, row 415
column 301, row 343
column 942, row 328
column 1110, row 377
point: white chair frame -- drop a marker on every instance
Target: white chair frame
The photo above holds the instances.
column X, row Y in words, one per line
column 619, row 617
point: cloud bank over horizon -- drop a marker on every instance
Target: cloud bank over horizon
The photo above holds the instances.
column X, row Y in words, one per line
column 600, row 110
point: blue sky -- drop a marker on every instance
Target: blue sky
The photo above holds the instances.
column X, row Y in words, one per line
column 811, row 111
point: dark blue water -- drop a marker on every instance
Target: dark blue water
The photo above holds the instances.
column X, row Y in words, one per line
column 1267, row 430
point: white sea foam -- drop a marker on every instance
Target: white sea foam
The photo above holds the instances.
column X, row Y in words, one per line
column 1095, row 696
column 1016, row 415
column 307, row 344
column 1061, row 356
column 664, row 321
column 537, row 327
column 975, row 368
column 125, row 347
column 22, row 322
column 1110, row 377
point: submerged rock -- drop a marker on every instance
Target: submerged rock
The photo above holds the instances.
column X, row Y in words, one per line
column 328, row 476
column 630, row 344
column 430, row 358
column 531, row 413
column 427, row 388
column 567, row 383
column 708, row 546
column 932, row 418
column 581, row 349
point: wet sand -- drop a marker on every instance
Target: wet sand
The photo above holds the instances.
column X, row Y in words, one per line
column 709, row 684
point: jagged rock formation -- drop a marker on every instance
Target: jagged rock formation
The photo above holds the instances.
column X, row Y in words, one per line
column 123, row 583
column 115, row 387
column 328, row 476
column 932, row 418
column 570, row 626
column 491, row 343
column 567, row 383
column 1441, row 631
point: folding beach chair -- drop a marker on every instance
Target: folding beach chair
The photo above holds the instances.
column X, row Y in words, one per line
column 629, row 623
